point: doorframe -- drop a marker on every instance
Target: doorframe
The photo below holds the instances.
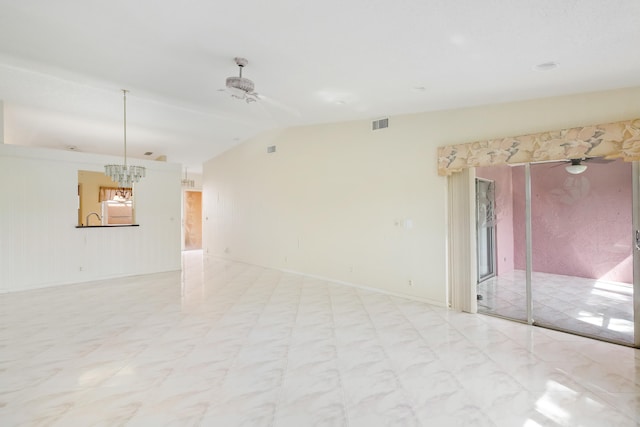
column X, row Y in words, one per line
column 635, row 218
column 528, row 242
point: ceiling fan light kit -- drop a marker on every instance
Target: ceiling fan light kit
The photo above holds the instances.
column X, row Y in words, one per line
column 241, row 87
column 577, row 166
column 575, row 169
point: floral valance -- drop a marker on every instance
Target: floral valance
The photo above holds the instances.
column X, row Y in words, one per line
column 611, row 141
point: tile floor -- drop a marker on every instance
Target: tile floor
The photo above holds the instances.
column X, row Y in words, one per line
column 592, row 307
column 229, row 344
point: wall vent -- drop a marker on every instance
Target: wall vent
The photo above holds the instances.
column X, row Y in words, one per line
column 380, row 124
column 271, row 149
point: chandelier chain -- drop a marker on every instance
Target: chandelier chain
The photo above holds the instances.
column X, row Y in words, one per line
column 125, row 175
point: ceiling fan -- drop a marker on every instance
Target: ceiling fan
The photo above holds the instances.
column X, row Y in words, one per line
column 241, row 87
column 577, row 166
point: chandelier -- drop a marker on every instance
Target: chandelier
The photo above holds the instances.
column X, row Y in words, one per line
column 125, row 175
column 186, row 182
column 241, row 87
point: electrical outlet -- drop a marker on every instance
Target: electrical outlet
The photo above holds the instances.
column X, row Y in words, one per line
column 410, row 282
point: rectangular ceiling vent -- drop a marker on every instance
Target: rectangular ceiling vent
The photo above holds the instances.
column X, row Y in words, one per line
column 381, row 123
column 271, row 149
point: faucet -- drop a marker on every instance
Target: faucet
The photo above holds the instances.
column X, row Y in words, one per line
column 93, row 213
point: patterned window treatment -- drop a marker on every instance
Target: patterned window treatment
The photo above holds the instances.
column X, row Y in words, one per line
column 109, row 193
column 611, row 141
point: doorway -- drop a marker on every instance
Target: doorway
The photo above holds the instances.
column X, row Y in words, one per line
column 192, row 220
column 565, row 257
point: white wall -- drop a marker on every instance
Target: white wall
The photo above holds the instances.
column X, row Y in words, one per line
column 334, row 200
column 39, row 244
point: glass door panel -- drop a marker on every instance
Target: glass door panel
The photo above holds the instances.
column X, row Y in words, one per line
column 485, row 228
column 500, row 225
column 582, row 254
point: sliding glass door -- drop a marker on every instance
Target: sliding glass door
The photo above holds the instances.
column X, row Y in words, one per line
column 500, row 215
column 564, row 246
column 582, row 254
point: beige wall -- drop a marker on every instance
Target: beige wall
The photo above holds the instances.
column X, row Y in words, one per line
column 343, row 202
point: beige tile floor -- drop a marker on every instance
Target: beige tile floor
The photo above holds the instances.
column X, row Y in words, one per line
column 230, row 344
column 592, row 307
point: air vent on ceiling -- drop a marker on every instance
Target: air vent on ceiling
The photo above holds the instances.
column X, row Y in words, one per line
column 380, row 124
column 271, row 149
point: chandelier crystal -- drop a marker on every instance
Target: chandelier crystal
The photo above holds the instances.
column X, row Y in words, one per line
column 125, row 175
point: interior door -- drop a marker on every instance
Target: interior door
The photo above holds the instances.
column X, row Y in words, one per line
column 192, row 220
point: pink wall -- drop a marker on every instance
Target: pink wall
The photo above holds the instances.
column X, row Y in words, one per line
column 581, row 224
column 504, row 213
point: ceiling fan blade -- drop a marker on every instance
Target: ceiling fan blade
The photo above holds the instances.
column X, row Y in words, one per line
column 279, row 105
column 600, row 160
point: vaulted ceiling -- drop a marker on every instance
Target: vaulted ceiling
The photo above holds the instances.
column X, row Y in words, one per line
column 63, row 63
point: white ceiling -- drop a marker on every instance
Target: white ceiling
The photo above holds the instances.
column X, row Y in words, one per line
column 63, row 62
